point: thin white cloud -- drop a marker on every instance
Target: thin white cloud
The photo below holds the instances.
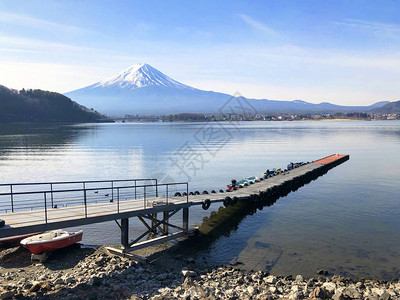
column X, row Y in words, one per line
column 15, row 50
column 257, row 25
column 20, row 44
column 29, row 21
column 374, row 60
column 374, row 26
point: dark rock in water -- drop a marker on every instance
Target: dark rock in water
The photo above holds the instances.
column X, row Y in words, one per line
column 237, row 263
column 95, row 281
column 162, row 276
column 289, row 277
column 322, row 272
column 190, row 260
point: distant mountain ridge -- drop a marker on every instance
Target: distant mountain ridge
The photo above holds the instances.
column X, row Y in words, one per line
column 42, row 106
column 142, row 89
column 389, row 108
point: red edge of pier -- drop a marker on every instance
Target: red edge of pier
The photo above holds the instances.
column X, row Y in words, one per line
column 330, row 159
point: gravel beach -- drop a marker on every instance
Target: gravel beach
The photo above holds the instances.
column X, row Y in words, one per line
column 86, row 273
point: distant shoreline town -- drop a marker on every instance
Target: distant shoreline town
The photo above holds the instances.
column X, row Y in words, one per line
column 191, row 117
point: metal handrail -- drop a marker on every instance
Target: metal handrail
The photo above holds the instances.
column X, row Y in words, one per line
column 92, row 189
column 72, row 182
column 85, row 190
column 52, row 183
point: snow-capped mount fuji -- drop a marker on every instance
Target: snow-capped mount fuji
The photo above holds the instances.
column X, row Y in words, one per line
column 142, row 89
column 139, row 76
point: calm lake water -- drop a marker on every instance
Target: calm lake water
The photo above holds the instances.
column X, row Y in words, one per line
column 346, row 221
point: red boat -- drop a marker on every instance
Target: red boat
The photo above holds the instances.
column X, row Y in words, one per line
column 13, row 241
column 51, row 240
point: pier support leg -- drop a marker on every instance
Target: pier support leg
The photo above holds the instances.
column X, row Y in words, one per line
column 125, row 233
column 165, row 225
column 185, row 223
column 153, row 224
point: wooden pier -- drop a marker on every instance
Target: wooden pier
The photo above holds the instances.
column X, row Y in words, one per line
column 100, row 201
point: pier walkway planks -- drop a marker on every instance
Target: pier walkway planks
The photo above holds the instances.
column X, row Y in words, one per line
column 35, row 221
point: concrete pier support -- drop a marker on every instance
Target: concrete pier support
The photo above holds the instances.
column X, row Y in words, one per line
column 165, row 225
column 125, row 233
column 153, row 223
column 185, row 222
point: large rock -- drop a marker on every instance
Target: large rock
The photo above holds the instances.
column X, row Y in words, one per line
column 338, row 295
column 251, row 290
column 318, row 293
column 352, row 292
column 385, row 296
column 299, row 279
column 100, row 261
column 329, row 286
column 189, row 273
column 270, row 279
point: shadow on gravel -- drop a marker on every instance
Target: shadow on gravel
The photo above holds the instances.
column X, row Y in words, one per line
column 61, row 259
column 16, row 257
column 67, row 258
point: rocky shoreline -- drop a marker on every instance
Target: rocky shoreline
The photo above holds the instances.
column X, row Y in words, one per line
column 76, row 273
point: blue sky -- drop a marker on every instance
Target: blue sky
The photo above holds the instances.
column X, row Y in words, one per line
column 344, row 52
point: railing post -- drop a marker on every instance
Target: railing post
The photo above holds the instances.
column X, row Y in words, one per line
column 156, row 188
column 112, row 190
column 167, row 193
column 118, row 199
column 52, row 200
column 45, row 207
column 135, row 189
column 187, row 192
column 144, row 199
column 84, row 199
column 12, row 198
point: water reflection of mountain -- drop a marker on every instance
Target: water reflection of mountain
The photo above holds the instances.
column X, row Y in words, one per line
column 37, row 137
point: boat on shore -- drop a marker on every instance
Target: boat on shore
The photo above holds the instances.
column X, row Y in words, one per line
column 14, row 241
column 51, row 240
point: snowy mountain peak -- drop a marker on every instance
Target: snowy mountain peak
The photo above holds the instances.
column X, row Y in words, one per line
column 300, row 102
column 138, row 76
